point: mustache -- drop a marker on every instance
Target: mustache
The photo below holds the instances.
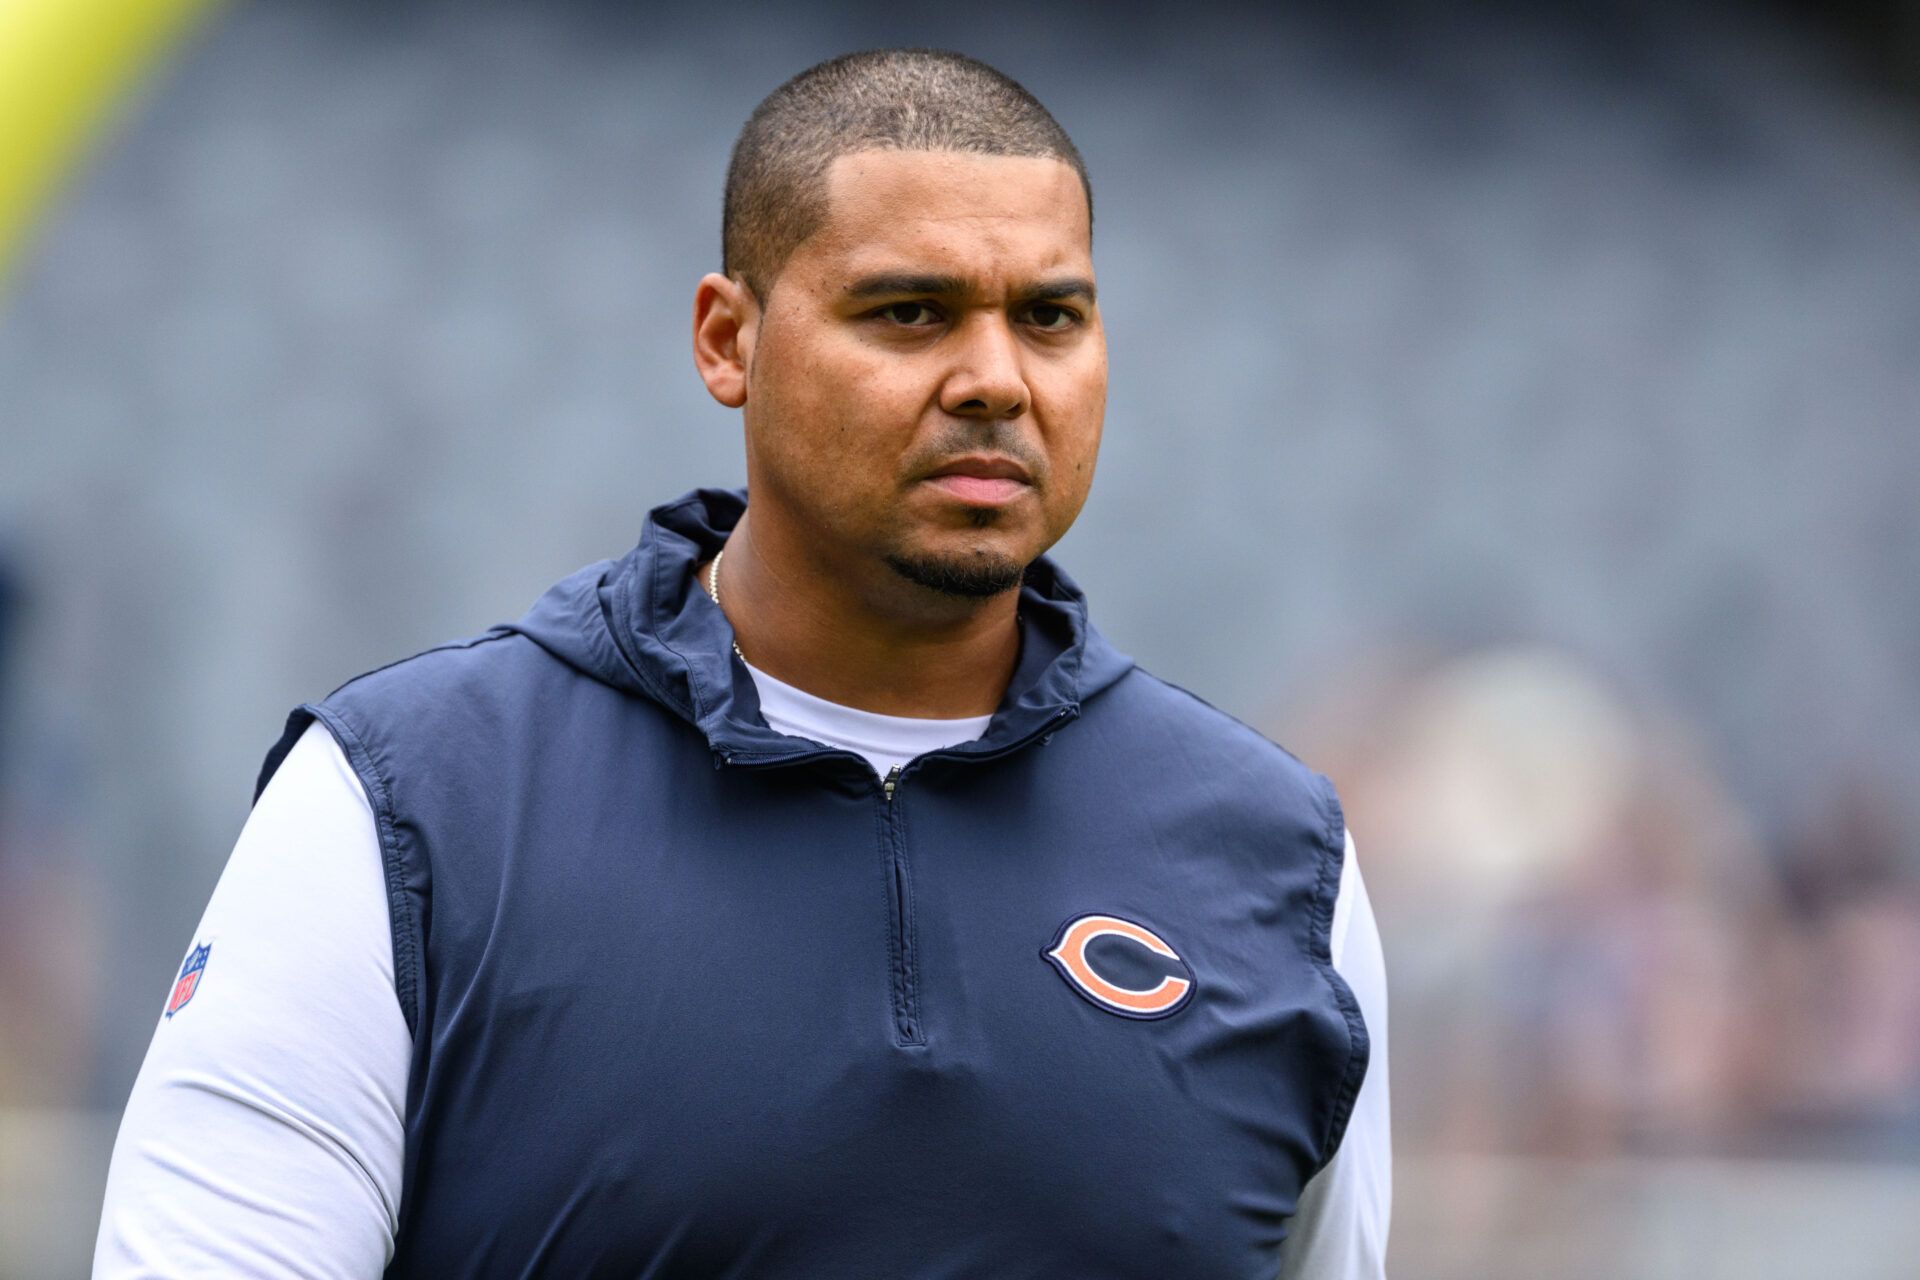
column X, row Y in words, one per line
column 998, row 437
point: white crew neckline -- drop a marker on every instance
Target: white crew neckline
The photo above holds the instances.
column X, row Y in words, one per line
column 885, row 741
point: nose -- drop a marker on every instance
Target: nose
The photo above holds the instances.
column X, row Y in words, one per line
column 987, row 381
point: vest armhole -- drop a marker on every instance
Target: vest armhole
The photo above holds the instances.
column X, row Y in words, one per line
column 1333, row 848
column 297, row 723
column 402, row 920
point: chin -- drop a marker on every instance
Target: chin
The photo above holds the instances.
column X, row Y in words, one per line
column 975, row 575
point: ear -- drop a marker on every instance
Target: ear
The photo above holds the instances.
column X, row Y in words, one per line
column 726, row 317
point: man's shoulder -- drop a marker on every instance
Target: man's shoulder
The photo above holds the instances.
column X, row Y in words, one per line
column 1177, row 716
column 446, row 665
column 1169, row 740
column 492, row 672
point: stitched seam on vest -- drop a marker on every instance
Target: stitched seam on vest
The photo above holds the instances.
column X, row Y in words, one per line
column 467, row 643
column 1332, row 858
column 405, row 927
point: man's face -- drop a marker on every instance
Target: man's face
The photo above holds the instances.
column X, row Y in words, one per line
column 926, row 384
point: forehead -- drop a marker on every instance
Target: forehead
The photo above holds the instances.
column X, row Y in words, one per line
column 955, row 211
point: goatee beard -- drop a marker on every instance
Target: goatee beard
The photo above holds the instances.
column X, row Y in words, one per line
column 974, row 578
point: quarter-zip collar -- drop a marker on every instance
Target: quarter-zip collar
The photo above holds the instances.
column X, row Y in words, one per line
column 643, row 624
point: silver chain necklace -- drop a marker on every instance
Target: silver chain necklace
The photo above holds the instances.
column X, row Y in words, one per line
column 713, row 589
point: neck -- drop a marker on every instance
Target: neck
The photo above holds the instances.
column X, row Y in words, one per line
column 886, row 646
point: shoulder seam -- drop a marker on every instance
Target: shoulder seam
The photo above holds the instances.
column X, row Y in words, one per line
column 492, row 633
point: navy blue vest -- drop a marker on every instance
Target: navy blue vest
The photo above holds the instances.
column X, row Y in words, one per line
column 694, row 999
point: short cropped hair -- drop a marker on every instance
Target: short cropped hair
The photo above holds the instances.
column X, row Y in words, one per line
column 880, row 99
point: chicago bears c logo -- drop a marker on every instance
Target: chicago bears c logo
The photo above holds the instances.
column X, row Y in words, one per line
column 1150, row 955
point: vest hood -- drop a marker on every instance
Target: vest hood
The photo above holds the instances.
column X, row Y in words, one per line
column 642, row 624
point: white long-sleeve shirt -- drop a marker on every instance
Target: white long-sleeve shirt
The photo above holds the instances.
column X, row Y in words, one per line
column 265, row 1132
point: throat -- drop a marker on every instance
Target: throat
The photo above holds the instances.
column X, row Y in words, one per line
column 833, row 644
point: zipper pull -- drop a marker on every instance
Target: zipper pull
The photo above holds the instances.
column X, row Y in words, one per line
column 892, row 779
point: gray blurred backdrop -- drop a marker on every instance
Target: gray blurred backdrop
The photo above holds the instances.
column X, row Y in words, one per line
column 1513, row 412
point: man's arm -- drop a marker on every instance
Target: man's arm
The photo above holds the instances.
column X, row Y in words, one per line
column 265, row 1131
column 1340, row 1230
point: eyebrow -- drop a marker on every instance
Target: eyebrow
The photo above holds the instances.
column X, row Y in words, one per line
column 897, row 284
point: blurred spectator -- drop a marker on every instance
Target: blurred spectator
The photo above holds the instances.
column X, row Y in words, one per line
column 1591, row 952
column 1850, row 1033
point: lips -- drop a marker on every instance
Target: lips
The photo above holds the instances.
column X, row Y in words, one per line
column 986, row 467
column 979, row 490
column 982, row 480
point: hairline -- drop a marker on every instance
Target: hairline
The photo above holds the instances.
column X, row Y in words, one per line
column 812, row 191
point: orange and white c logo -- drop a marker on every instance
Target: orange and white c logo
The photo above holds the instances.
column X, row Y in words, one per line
column 1068, row 954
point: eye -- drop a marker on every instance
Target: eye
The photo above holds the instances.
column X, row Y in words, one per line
column 910, row 315
column 1052, row 318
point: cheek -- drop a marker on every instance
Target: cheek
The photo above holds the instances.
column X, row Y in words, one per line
column 1079, row 408
column 1073, row 446
column 834, row 415
column 864, row 407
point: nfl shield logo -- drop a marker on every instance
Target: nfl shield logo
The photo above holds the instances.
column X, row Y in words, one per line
column 189, row 980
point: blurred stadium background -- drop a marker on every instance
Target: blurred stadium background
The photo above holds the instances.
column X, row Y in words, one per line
column 1515, row 411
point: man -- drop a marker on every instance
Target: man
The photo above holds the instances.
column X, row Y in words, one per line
column 812, row 891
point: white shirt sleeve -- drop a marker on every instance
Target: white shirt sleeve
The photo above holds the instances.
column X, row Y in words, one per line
column 265, row 1132
column 1340, row 1229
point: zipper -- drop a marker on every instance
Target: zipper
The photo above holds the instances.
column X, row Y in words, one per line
column 903, row 962
column 903, row 978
